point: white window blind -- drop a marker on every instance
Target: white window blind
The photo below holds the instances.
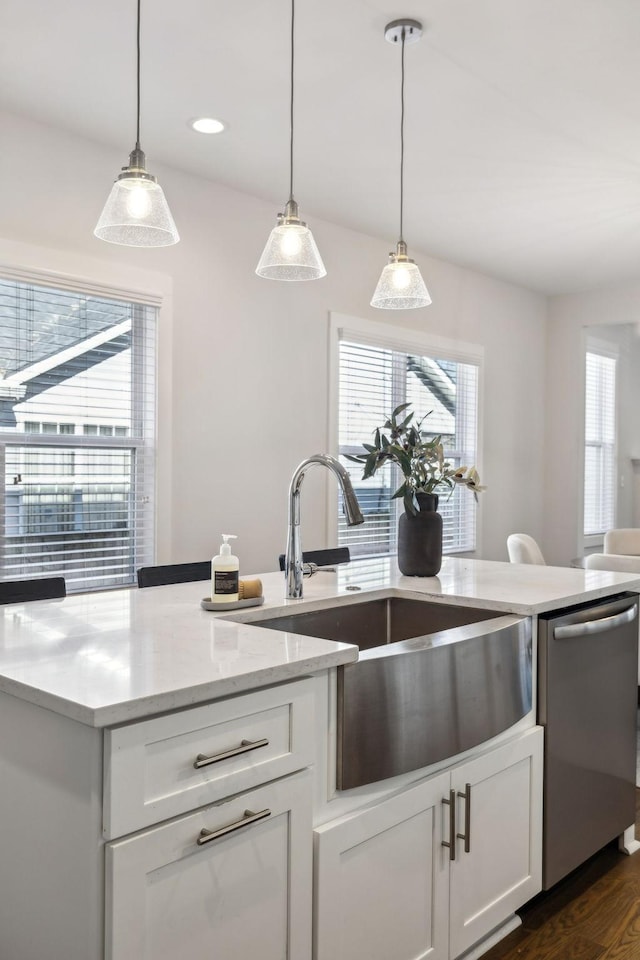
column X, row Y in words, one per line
column 373, row 380
column 77, row 425
column 600, row 443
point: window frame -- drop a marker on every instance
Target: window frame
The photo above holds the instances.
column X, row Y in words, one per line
column 72, row 272
column 403, row 339
column 609, row 350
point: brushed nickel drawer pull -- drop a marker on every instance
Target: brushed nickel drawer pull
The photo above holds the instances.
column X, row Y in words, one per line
column 466, row 836
column 202, row 760
column 451, row 842
column 206, row 836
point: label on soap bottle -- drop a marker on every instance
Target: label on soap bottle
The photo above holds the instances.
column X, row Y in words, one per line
column 225, row 582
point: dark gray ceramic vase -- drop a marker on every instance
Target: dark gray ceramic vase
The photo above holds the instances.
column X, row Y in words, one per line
column 420, row 539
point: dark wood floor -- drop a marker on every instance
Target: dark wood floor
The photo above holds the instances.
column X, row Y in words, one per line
column 593, row 914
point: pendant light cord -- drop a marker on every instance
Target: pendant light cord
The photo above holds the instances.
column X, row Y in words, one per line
column 402, row 139
column 138, row 82
column 291, row 106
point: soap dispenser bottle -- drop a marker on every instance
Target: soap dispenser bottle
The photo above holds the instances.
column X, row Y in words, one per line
column 224, row 573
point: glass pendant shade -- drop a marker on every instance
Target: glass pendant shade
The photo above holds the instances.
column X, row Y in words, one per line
column 136, row 213
column 291, row 252
column 400, row 286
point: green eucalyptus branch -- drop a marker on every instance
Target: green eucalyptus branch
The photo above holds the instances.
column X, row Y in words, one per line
column 401, row 440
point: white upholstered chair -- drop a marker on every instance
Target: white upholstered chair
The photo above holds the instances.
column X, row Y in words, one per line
column 624, row 540
column 621, row 551
column 619, row 562
column 523, row 549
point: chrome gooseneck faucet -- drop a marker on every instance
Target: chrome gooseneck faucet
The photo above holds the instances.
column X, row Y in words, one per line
column 293, row 563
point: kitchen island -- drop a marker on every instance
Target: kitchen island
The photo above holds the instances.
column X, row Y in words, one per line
column 165, row 768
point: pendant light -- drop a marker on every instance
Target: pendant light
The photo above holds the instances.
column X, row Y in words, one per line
column 401, row 286
column 291, row 252
column 136, row 213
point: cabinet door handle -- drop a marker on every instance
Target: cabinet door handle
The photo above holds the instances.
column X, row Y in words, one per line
column 466, row 836
column 202, row 760
column 451, row 842
column 206, row 836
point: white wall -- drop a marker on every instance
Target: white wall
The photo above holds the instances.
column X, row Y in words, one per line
column 244, row 373
column 569, row 316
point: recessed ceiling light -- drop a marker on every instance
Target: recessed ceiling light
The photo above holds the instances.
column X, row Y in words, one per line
column 207, row 125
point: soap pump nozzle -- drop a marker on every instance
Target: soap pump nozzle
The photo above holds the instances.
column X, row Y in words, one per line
column 225, row 548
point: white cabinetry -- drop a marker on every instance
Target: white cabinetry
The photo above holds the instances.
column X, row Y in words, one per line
column 386, row 886
column 232, row 877
column 381, row 883
column 503, row 867
column 160, row 768
column 120, row 874
column 231, row 880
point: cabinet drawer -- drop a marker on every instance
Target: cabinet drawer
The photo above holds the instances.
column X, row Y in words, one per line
column 230, row 881
column 159, row 768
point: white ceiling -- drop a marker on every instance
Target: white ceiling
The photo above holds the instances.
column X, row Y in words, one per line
column 522, row 116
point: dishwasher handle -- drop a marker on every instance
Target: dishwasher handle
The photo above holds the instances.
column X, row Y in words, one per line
column 591, row 627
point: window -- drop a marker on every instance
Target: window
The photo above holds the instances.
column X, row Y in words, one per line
column 372, row 380
column 77, row 398
column 600, row 440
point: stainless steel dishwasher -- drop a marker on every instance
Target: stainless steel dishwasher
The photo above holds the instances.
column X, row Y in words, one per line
column 587, row 682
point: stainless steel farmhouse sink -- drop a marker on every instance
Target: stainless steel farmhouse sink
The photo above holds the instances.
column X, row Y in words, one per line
column 432, row 680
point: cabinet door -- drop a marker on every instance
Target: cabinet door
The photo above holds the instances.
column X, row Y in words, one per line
column 245, row 893
column 499, row 806
column 381, row 879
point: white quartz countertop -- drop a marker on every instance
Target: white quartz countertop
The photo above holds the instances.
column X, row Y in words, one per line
column 120, row 655
column 505, row 587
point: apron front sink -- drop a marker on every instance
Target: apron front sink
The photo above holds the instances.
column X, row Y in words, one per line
column 432, row 680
